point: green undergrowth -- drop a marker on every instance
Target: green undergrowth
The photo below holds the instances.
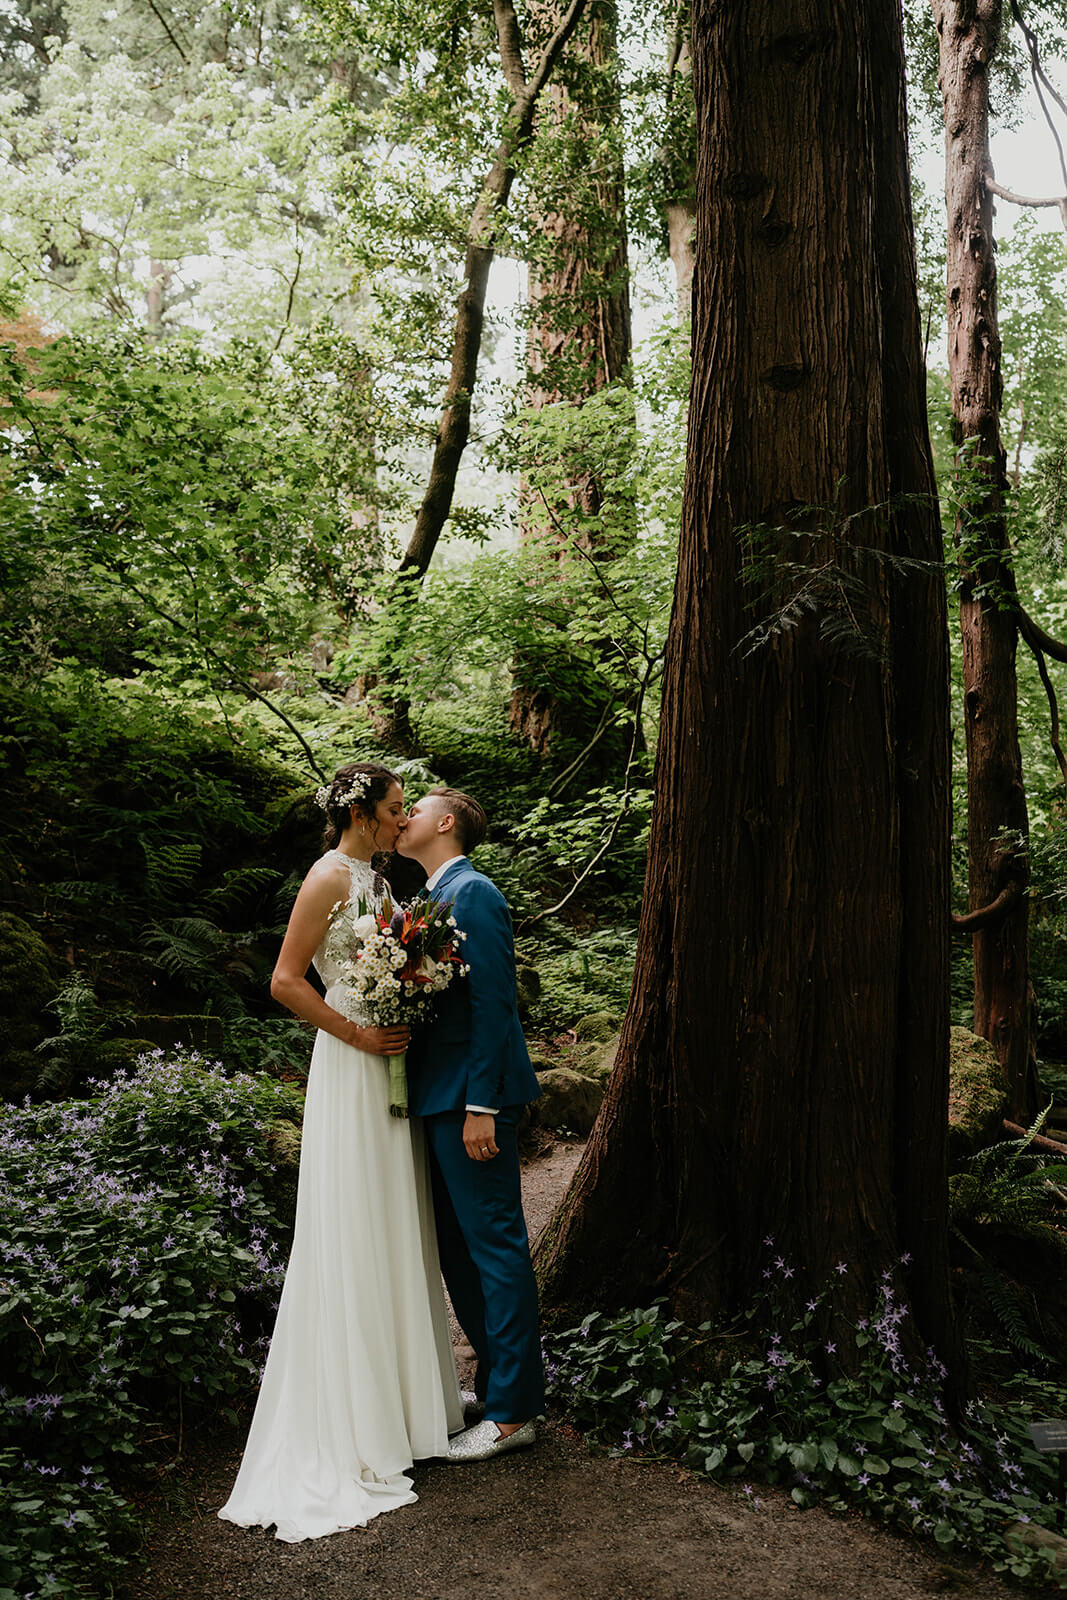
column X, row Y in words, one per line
column 778, row 1411
column 145, row 1231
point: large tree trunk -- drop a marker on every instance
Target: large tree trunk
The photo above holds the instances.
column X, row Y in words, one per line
column 579, row 327
column 579, row 337
column 783, row 1068
column 996, row 798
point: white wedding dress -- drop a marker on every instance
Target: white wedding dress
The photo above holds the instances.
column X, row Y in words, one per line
column 360, row 1380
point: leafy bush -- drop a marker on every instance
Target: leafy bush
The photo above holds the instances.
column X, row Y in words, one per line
column 579, row 973
column 877, row 1439
column 1048, row 964
column 1012, row 1196
column 143, row 1266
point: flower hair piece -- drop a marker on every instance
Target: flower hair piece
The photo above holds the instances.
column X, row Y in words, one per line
column 356, row 789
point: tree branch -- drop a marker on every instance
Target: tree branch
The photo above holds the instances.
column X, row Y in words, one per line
column 549, row 55
column 627, row 794
column 509, row 38
column 1038, row 639
column 1053, row 707
column 1042, row 81
column 557, row 785
column 986, row 916
column 453, row 430
column 1059, row 200
column 165, row 25
column 678, row 45
column 1036, row 1138
column 230, row 676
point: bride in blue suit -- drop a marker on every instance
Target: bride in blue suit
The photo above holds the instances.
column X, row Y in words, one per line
column 469, row 1075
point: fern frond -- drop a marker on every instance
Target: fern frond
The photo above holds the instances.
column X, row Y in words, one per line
column 239, row 886
column 186, row 947
column 172, row 869
column 1007, row 1312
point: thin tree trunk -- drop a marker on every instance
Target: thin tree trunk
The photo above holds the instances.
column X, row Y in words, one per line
column 783, row 1067
column 679, row 158
column 997, row 821
column 454, row 428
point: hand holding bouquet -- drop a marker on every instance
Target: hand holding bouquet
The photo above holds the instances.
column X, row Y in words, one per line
column 396, row 959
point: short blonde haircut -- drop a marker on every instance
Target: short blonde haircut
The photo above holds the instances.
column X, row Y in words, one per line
column 470, row 820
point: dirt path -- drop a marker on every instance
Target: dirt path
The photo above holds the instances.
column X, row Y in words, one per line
column 551, row 1523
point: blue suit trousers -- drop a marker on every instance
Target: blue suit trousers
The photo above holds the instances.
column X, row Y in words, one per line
column 485, row 1258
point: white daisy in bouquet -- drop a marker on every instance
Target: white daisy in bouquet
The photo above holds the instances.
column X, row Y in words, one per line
column 393, row 961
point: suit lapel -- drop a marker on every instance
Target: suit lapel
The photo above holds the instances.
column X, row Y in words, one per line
column 449, row 879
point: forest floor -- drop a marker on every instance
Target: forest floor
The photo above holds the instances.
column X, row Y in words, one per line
column 551, row 1523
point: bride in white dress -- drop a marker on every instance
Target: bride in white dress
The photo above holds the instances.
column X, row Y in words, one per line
column 360, row 1380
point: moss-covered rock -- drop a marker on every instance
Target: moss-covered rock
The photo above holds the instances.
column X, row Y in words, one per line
column 977, row 1100
column 198, row 1032
column 569, row 1100
column 600, row 1062
column 598, row 1027
column 119, row 1055
column 1023, row 1536
column 283, row 1141
column 27, row 984
column 527, row 988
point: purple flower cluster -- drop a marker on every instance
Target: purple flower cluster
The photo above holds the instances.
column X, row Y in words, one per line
column 137, row 1221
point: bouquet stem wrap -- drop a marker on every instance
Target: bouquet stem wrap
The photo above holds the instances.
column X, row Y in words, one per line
column 398, row 1086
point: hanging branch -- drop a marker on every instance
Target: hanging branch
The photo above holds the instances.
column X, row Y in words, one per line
column 1053, row 706
column 1042, row 82
column 609, row 840
column 231, row 678
column 1037, row 638
column 1042, row 85
column 454, row 427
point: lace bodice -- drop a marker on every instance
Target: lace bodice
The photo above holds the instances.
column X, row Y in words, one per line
column 327, row 958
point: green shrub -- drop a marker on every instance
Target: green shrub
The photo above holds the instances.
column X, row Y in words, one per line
column 144, row 1232
column 579, row 973
column 876, row 1440
column 26, row 988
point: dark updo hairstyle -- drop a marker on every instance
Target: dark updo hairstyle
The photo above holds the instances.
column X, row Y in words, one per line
column 366, row 805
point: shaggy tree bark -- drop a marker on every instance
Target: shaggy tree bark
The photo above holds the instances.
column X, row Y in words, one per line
column 579, row 334
column 783, row 1067
column 579, row 291
column 997, row 820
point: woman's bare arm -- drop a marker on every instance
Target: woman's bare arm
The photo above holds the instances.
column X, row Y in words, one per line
column 326, row 885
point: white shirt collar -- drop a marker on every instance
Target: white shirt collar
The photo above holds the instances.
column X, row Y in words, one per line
column 435, row 877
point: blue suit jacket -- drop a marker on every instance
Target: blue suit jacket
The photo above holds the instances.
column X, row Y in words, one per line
column 472, row 1051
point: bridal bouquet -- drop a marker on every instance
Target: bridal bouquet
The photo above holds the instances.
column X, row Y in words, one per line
column 394, row 959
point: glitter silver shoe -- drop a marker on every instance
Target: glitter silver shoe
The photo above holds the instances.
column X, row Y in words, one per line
column 485, row 1440
column 473, row 1408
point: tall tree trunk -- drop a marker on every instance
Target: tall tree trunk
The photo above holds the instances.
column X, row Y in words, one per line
column 579, row 337
column 783, row 1067
column 969, row 34
column 454, row 427
column 679, row 162
column 579, row 331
